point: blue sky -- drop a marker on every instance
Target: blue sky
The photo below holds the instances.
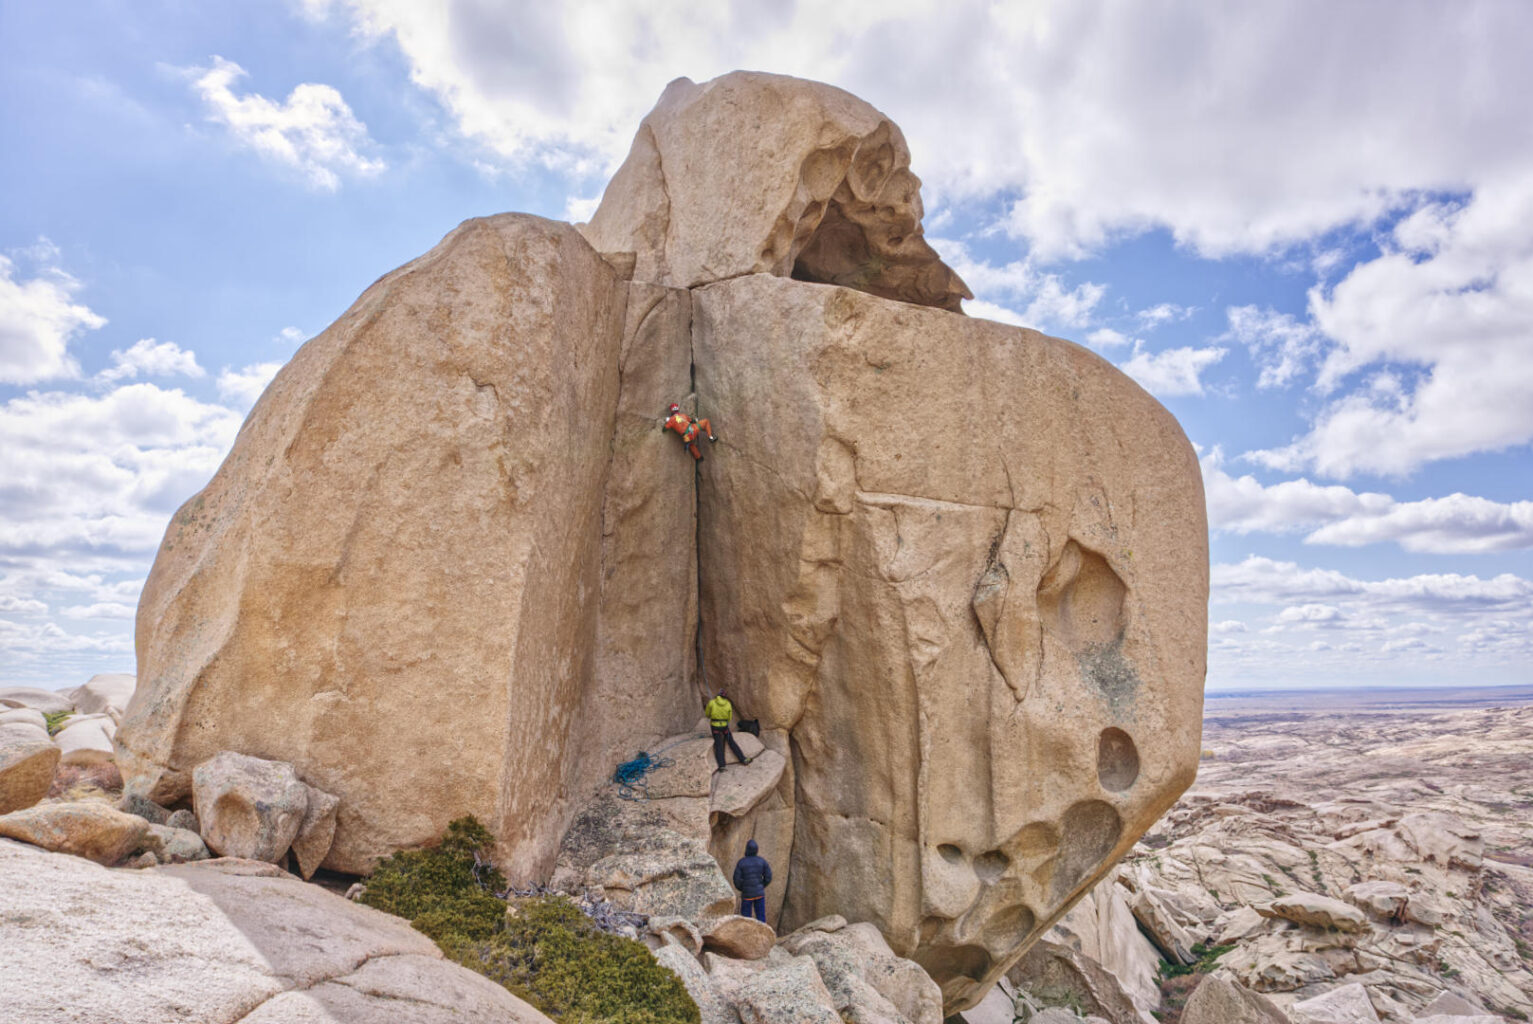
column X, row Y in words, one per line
column 1307, row 228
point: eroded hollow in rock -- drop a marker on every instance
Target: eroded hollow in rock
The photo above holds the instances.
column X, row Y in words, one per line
column 1007, row 929
column 1117, row 760
column 1088, row 832
column 954, row 962
column 992, row 865
column 1081, row 599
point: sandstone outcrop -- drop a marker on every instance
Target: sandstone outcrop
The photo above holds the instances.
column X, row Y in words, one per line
column 1218, row 1001
column 957, row 570
column 106, row 692
column 218, row 942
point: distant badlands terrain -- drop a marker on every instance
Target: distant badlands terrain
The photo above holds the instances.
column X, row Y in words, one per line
column 1339, row 852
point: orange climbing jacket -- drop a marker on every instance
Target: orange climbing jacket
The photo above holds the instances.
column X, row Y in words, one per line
column 689, row 429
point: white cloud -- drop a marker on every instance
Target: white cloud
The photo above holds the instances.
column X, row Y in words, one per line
column 1042, row 301
column 1228, row 626
column 1106, row 337
column 1098, row 116
column 579, row 210
column 1445, row 317
column 101, row 610
column 21, row 605
column 1265, row 580
column 291, row 336
column 312, row 131
column 1280, row 345
column 1338, row 515
column 1171, row 372
column 38, row 319
column 244, row 386
column 152, row 359
column 1163, row 313
column 81, row 474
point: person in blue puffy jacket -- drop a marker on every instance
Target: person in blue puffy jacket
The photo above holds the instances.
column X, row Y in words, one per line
column 752, row 875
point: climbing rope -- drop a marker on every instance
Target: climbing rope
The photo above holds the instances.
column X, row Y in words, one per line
column 631, row 783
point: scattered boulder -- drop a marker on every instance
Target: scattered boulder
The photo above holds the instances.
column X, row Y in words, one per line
column 671, row 930
column 103, row 693
column 997, row 1007
column 1317, row 911
column 28, row 758
column 632, row 851
column 24, row 716
column 1241, row 924
column 743, row 938
column 174, row 845
column 789, row 994
column 1450, row 1004
column 249, row 807
column 316, row 832
column 46, row 701
column 1057, row 974
column 89, row 829
column 1162, row 928
column 1444, row 839
column 219, row 941
column 1385, row 901
column 136, row 803
column 1101, row 926
column 186, row 819
column 1218, row 1000
column 711, row 1007
column 865, row 977
column 86, row 739
column 1345, row 1004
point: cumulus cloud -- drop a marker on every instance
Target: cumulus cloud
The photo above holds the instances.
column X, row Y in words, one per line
column 1451, row 298
column 152, row 359
column 244, row 386
column 1282, row 346
column 1098, row 117
column 1267, row 581
column 1337, row 515
column 101, row 473
column 1018, row 293
column 313, row 131
column 38, row 319
column 1171, row 372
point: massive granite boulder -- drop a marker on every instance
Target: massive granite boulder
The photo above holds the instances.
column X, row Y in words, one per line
column 395, row 581
column 958, row 570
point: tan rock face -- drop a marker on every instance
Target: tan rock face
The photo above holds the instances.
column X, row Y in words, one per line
column 963, row 584
column 86, row 829
column 27, row 762
column 763, row 174
column 393, row 582
column 957, row 570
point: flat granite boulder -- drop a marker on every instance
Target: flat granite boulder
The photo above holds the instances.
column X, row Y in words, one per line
column 217, row 943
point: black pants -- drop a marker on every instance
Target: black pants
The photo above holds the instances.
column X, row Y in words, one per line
column 721, row 737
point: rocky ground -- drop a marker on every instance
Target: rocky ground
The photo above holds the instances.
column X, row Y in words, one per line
column 1347, row 859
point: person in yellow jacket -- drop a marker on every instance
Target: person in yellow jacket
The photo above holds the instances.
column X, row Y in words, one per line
column 719, row 712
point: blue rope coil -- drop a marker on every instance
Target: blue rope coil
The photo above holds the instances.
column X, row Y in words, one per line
column 631, row 784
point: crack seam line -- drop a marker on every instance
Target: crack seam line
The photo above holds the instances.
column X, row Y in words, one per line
column 369, row 958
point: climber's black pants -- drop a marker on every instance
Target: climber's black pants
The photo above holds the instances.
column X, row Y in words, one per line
column 721, row 737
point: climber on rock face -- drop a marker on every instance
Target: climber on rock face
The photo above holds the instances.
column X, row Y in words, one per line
column 689, row 429
column 719, row 712
column 752, row 875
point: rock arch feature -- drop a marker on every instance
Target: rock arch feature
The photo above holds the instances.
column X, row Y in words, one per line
column 978, row 656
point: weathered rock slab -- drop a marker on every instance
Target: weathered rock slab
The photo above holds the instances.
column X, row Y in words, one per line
column 86, row 739
column 28, row 758
column 46, row 701
column 1317, row 911
column 89, row 829
column 743, row 938
column 103, row 693
column 1220, row 1001
column 1345, row 1004
column 212, row 942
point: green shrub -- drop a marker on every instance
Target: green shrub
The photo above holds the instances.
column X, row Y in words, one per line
column 56, row 720
column 543, row 949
